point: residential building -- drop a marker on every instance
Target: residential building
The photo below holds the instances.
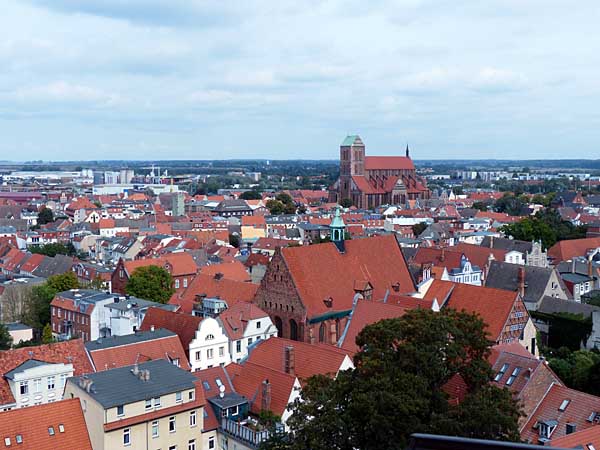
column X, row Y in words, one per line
column 126, row 314
column 210, row 346
column 58, row 425
column 150, row 405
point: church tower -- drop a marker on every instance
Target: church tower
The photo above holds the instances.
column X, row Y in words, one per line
column 352, row 162
column 338, row 230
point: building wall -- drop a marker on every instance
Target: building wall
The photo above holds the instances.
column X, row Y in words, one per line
column 252, row 334
column 201, row 346
column 56, row 372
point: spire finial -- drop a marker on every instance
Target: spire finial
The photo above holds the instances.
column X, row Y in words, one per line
column 407, row 151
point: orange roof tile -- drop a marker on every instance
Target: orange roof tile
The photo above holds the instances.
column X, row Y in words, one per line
column 232, row 271
column 181, row 263
column 566, row 250
column 185, row 325
column 388, row 163
column 580, row 439
column 32, row 425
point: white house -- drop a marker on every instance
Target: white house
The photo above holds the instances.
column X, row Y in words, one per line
column 36, row 382
column 466, row 273
column 127, row 313
column 210, row 346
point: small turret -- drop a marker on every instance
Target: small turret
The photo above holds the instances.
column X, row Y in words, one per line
column 337, row 228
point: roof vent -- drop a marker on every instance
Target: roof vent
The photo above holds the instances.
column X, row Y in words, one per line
column 328, row 302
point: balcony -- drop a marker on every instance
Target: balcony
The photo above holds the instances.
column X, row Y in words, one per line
column 244, row 433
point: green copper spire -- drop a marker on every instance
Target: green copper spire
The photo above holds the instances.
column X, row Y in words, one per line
column 338, row 229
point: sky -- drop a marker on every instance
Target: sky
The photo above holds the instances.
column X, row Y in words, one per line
column 289, row 79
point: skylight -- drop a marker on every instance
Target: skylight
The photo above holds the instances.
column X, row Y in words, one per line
column 564, row 405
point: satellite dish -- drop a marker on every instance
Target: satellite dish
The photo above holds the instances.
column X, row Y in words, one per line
column 221, row 391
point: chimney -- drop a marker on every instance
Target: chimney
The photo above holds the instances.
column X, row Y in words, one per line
column 218, row 276
column 290, row 360
column 590, row 268
column 88, row 386
column 522, row 282
column 491, row 241
column 443, row 255
column 573, row 263
column 265, row 404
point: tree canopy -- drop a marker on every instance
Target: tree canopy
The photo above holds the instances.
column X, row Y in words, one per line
column 397, row 388
column 151, row 283
column 250, row 195
column 45, row 215
column 5, row 338
column 53, row 249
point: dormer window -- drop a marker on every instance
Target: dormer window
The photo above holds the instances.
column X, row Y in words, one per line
column 564, row 405
column 500, row 374
column 547, row 428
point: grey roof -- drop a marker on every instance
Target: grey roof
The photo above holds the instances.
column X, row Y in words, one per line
column 54, row 266
column 86, row 295
column 16, row 326
column 124, row 304
column 26, row 365
column 128, row 339
column 575, row 277
column 233, row 205
column 120, row 386
column 507, row 244
column 551, row 305
column 502, row 275
column 228, row 400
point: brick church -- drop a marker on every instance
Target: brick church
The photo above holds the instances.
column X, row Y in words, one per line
column 309, row 291
column 371, row 181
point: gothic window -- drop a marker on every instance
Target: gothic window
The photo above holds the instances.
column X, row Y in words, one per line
column 293, row 330
column 322, row 332
column 279, row 326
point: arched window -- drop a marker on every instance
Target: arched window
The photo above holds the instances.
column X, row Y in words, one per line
column 279, row 326
column 210, row 337
column 293, row 330
column 322, row 332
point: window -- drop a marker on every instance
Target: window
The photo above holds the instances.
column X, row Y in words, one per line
column 233, row 411
column 513, row 376
column 218, row 382
column 197, row 356
column 63, row 380
column 172, row 424
column 258, row 324
column 210, row 337
column 221, row 351
column 191, row 395
column 192, row 418
column 24, row 387
column 209, row 353
column 175, row 362
column 120, row 410
column 149, row 403
column 185, row 284
column 192, row 444
column 157, row 402
column 211, row 442
column 178, row 398
column 500, row 374
column 7, row 441
column 564, row 405
column 61, row 428
column 19, row 438
column 206, row 385
column 127, row 436
column 238, row 346
column 50, row 383
column 176, row 284
column 249, row 341
column 173, row 447
column 51, row 431
column 155, row 428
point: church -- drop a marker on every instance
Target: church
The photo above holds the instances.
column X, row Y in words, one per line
column 371, row 181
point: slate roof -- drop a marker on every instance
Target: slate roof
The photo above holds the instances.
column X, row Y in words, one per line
column 26, row 365
column 502, row 275
column 32, row 425
column 507, row 244
column 120, row 386
column 551, row 305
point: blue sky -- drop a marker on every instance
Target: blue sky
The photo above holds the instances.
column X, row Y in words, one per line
column 204, row 79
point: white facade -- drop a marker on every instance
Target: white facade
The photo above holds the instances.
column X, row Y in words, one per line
column 39, row 384
column 256, row 329
column 210, row 346
column 514, row 257
column 467, row 273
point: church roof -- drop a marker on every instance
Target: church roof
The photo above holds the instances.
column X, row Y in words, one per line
column 353, row 139
column 388, row 163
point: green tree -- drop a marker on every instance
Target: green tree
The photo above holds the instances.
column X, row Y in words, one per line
column 45, row 215
column 579, row 369
column 234, row 240
column 284, row 198
column 63, row 282
column 151, row 283
column 418, row 228
column 5, row 338
column 481, row 206
column 397, row 386
column 97, row 283
column 47, row 337
column 275, row 207
column 37, row 313
column 251, row 195
column 346, row 203
column 54, row 249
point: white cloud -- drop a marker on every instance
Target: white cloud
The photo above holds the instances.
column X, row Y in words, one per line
column 61, row 92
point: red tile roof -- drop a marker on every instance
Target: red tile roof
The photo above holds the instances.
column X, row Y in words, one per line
column 580, row 439
column 566, row 250
column 209, row 376
column 365, row 313
column 232, row 271
column 181, row 263
column 256, row 259
column 32, row 425
column 320, row 271
column 388, row 163
column 235, row 319
column 310, row 359
column 247, row 380
column 67, row 352
column 229, row 290
column 439, row 290
column 168, row 348
column 32, row 263
column 577, row 411
column 185, row 325
column 254, row 221
column 478, row 255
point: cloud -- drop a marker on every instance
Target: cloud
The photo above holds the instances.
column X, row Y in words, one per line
column 62, row 92
column 495, row 80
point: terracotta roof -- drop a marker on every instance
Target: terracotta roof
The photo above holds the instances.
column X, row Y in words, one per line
column 257, row 259
column 439, row 290
column 208, row 384
column 580, row 439
column 310, row 359
column 232, row 271
column 235, row 319
column 67, row 352
column 106, row 223
column 254, row 221
column 182, row 263
column 320, row 271
column 247, row 380
column 388, row 163
column 185, row 325
column 32, row 263
column 365, row 313
column 577, row 411
column 368, row 186
column 566, row 250
column 493, row 305
column 478, row 255
column 229, row 290
column 167, row 347
column 32, row 425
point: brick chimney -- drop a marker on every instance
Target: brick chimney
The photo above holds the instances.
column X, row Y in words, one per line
column 522, row 282
column 290, row 360
column 265, row 404
column 443, row 255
